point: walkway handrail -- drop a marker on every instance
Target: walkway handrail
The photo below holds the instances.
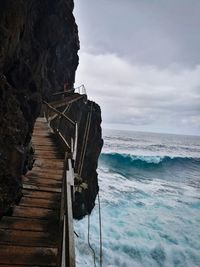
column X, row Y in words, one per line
column 57, row 112
column 80, row 90
column 66, row 246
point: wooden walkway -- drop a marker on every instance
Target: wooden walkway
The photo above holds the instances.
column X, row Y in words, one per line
column 30, row 237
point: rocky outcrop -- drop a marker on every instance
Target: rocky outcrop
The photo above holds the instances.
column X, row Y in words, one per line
column 38, row 57
column 86, row 184
column 88, row 150
column 38, row 54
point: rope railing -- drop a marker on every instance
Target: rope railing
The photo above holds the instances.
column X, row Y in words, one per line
column 79, row 89
column 57, row 112
column 66, row 249
column 53, row 115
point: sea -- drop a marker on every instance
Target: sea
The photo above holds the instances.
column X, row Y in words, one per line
column 149, row 203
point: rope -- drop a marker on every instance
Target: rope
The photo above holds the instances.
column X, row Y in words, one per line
column 84, row 144
column 86, row 139
column 93, row 251
column 100, row 236
column 58, row 112
column 79, row 165
column 67, row 108
column 100, row 232
column 63, row 112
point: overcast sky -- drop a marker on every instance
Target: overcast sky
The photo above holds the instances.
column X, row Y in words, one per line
column 140, row 61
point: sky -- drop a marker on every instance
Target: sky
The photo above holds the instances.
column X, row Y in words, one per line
column 140, row 61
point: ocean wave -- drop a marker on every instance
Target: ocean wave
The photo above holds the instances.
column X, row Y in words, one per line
column 138, row 160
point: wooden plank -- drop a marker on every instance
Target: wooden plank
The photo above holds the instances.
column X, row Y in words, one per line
column 44, row 134
column 47, row 149
column 30, row 236
column 56, row 164
column 30, row 224
column 41, row 181
column 51, row 146
column 46, row 176
column 43, row 142
column 44, row 145
column 41, row 195
column 47, row 155
column 44, row 139
column 53, row 153
column 48, row 163
column 50, row 170
column 50, row 157
column 48, row 138
column 27, row 238
column 19, row 255
column 40, row 203
column 37, row 213
column 41, row 188
column 40, row 120
column 42, row 174
column 41, row 129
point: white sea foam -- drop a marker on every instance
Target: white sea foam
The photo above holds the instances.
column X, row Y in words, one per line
column 143, row 223
column 149, row 220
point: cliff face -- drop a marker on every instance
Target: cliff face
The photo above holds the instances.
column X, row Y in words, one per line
column 38, row 55
column 86, row 183
column 88, row 150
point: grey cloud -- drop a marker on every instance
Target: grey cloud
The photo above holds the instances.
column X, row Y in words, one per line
column 154, row 32
column 152, row 97
column 140, row 61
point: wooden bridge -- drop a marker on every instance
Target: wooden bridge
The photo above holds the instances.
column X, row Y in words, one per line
column 40, row 230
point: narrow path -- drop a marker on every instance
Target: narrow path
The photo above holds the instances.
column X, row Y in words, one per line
column 30, row 237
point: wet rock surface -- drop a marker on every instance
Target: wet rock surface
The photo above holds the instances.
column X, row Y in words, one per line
column 38, row 54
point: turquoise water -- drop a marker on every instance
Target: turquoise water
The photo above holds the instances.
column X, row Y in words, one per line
column 150, row 202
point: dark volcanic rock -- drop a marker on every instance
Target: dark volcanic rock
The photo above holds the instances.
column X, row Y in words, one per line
column 38, row 54
column 87, row 184
column 89, row 148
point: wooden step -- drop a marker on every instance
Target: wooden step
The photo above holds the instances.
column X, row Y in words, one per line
column 31, row 234
column 41, row 188
column 48, row 175
column 27, row 238
column 23, row 255
column 36, row 213
column 50, row 171
column 21, row 223
column 48, row 164
column 45, row 194
column 40, row 203
column 38, row 181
